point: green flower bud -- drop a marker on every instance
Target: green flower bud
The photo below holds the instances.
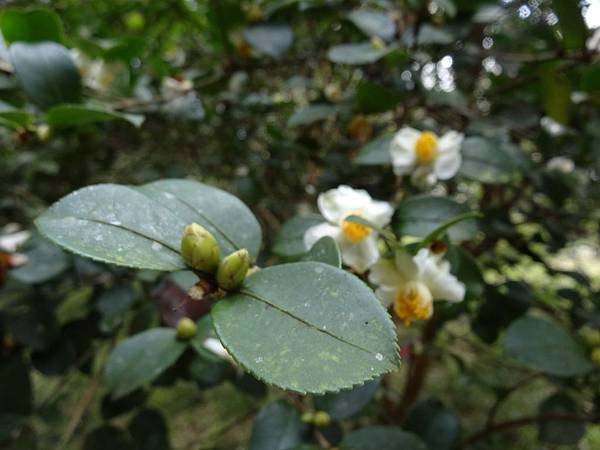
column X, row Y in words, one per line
column 591, row 336
column 233, row 269
column 308, row 417
column 199, row 249
column 596, row 356
column 186, row 328
column 321, row 419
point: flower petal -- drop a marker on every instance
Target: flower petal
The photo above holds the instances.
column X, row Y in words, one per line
column 437, row 277
column 446, row 165
column 450, row 142
column 386, row 295
column 380, row 213
column 337, row 203
column 360, row 255
column 402, row 150
column 406, row 266
column 314, row 233
column 385, row 273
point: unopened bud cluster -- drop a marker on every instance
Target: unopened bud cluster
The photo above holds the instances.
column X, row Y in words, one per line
column 201, row 252
column 591, row 337
column 319, row 419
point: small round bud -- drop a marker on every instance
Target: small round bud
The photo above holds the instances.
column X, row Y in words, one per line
column 186, row 328
column 135, row 21
column 590, row 336
column 308, row 417
column 321, row 419
column 200, row 249
column 596, row 356
column 233, row 269
column 43, row 132
column 377, row 42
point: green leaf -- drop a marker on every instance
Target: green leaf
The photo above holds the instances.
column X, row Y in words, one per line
column 22, row 119
column 590, row 79
column 277, row 427
column 555, row 91
column 544, row 346
column 487, row 160
column 373, row 98
column 311, row 114
column 325, row 250
column 435, row 234
column 268, row 39
column 289, row 240
column 141, row 358
column 381, row 438
column 44, row 262
column 357, row 54
column 142, row 227
column 560, row 432
column 420, row 215
column 373, row 23
column 47, row 72
column 346, row 404
column 571, row 23
column 307, row 327
column 376, row 152
column 66, row 115
column 435, row 424
column 31, row 25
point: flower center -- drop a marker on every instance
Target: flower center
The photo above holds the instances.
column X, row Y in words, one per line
column 413, row 303
column 426, row 147
column 355, row 232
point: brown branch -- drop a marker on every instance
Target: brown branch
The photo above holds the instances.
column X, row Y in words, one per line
column 524, row 421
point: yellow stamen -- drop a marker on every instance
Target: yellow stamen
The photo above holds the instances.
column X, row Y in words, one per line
column 426, row 147
column 355, row 232
column 411, row 304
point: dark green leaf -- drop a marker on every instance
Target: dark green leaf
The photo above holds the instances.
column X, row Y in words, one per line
column 47, row 72
column 571, row 23
column 376, row 152
column 289, row 240
column 149, row 430
column 357, row 54
column 346, row 404
column 307, row 327
column 311, row 114
column 555, row 91
column 560, row 432
column 434, row 423
column 30, row 25
column 65, row 115
column 373, row 98
column 141, row 358
column 420, row 215
column 439, row 231
column 381, row 438
column 108, row 437
column 544, row 346
column 373, row 23
column 44, row 262
column 277, row 427
column 486, row 160
column 268, row 39
column 325, row 250
column 14, row 373
column 142, row 227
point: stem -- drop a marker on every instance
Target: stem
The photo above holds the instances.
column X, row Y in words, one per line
column 417, row 370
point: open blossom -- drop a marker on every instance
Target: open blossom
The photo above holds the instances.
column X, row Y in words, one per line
column 358, row 243
column 425, row 156
column 411, row 284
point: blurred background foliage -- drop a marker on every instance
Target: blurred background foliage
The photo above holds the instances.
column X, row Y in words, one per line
column 277, row 101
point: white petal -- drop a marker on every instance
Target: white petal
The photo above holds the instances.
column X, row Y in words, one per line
column 360, row 255
column 337, row 203
column 314, row 233
column 380, row 213
column 450, row 142
column 406, row 266
column 402, row 150
column 436, row 276
column 446, row 165
column 385, row 273
column 386, row 295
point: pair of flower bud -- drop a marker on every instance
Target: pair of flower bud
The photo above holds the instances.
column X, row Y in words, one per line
column 201, row 252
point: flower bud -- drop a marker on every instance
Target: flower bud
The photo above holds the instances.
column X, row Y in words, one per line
column 595, row 356
column 186, row 328
column 308, row 417
column 321, row 419
column 377, row 42
column 233, row 269
column 199, row 248
column 591, row 336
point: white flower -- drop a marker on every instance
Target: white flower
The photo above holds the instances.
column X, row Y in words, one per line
column 358, row 243
column 593, row 42
column 411, row 284
column 426, row 156
column 560, row 164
